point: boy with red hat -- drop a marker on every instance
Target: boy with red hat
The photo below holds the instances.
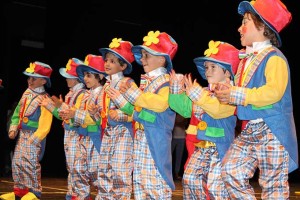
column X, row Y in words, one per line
column 212, row 125
column 154, row 120
column 116, row 162
column 88, row 142
column 72, row 99
column 262, row 94
column 31, row 123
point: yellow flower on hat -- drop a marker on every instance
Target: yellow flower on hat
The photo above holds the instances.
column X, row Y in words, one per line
column 252, row 2
column 115, row 43
column 68, row 66
column 30, row 69
column 151, row 38
column 212, row 48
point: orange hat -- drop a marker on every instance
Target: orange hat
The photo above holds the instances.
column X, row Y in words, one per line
column 122, row 49
column 39, row 70
column 222, row 53
column 272, row 12
column 70, row 70
column 92, row 64
column 158, row 44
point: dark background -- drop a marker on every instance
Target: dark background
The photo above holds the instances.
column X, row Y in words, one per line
column 52, row 32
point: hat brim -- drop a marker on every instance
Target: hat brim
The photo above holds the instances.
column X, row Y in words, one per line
column 137, row 52
column 245, row 6
column 48, row 83
column 85, row 68
column 201, row 68
column 104, row 51
column 63, row 72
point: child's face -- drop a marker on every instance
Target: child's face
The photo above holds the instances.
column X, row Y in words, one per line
column 151, row 62
column 71, row 82
column 249, row 32
column 214, row 73
column 90, row 80
column 112, row 64
column 35, row 82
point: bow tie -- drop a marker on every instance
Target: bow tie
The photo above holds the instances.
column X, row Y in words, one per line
column 243, row 54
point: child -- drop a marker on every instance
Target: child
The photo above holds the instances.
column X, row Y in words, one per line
column 152, row 175
column 264, row 103
column 33, row 123
column 212, row 122
column 88, row 144
column 72, row 99
column 116, row 162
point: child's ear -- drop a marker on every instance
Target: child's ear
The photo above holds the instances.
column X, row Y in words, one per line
column 44, row 81
column 124, row 66
column 227, row 74
column 162, row 60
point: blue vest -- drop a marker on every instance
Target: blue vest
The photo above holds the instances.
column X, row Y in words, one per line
column 278, row 116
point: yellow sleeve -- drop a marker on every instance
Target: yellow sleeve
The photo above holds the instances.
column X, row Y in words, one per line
column 45, row 122
column 213, row 107
column 276, row 74
column 78, row 100
column 155, row 102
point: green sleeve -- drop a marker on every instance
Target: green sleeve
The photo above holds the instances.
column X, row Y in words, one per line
column 128, row 108
column 181, row 104
column 15, row 117
column 55, row 113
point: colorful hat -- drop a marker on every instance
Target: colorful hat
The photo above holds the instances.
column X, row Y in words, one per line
column 272, row 12
column 70, row 70
column 222, row 53
column 93, row 64
column 122, row 49
column 39, row 70
column 158, row 44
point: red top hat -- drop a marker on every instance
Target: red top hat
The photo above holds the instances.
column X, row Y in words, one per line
column 157, row 43
column 222, row 53
column 70, row 70
column 122, row 49
column 39, row 70
column 273, row 13
column 93, row 64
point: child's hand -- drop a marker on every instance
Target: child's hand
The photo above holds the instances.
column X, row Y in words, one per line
column 12, row 134
column 92, row 108
column 57, row 101
column 113, row 114
column 45, row 101
column 124, row 86
column 67, row 114
column 222, row 92
column 112, row 93
column 189, row 83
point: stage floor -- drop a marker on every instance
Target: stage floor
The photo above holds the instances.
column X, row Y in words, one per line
column 55, row 188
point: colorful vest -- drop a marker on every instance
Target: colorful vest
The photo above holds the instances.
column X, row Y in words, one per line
column 278, row 116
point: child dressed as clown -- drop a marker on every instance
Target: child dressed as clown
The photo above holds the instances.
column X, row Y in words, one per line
column 31, row 123
column 212, row 125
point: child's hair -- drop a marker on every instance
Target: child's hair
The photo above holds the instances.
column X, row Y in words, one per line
column 102, row 80
column 269, row 33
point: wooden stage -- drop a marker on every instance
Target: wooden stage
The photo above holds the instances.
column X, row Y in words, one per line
column 55, row 188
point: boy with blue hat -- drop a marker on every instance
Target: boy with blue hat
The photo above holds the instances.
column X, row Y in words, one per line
column 154, row 120
column 212, row 125
column 88, row 142
column 262, row 95
column 72, row 99
column 32, row 123
column 116, row 161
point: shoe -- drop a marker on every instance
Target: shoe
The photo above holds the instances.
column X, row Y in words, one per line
column 29, row 196
column 8, row 196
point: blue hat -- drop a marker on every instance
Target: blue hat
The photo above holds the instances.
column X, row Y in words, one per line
column 122, row 49
column 222, row 53
column 158, row 44
column 70, row 70
column 93, row 64
column 39, row 70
